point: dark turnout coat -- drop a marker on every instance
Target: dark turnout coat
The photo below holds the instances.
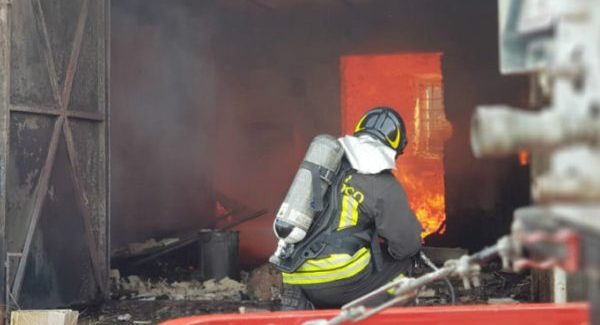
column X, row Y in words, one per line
column 377, row 206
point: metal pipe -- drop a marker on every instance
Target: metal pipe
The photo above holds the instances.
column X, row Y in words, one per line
column 498, row 131
column 5, row 32
column 559, row 284
column 446, row 280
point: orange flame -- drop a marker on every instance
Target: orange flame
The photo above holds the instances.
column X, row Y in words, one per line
column 426, row 198
column 523, row 157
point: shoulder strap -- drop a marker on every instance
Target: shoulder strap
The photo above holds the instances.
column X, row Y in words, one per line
column 311, row 246
column 376, row 251
column 318, row 172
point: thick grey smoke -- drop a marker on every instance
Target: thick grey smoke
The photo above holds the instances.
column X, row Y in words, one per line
column 162, row 118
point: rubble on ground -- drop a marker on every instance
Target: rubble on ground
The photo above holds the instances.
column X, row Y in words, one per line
column 502, row 301
column 497, row 287
column 136, row 248
column 134, row 287
column 151, row 300
column 264, row 283
column 140, row 248
column 124, row 317
column 153, row 312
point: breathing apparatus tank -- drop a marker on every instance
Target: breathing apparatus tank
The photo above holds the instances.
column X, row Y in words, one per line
column 306, row 194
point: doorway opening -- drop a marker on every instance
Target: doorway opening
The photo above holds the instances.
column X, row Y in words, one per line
column 412, row 85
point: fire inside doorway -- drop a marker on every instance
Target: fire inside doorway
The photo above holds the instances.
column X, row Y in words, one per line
column 412, row 84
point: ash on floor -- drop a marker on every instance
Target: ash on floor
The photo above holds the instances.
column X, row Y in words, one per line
column 144, row 300
column 138, row 301
column 152, row 312
column 134, row 287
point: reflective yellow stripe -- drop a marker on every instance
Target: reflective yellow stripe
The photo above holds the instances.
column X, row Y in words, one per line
column 359, row 124
column 391, row 291
column 349, row 214
column 354, row 265
column 394, row 143
column 332, row 262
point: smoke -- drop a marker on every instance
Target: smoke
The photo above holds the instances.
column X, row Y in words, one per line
column 162, row 114
column 224, row 96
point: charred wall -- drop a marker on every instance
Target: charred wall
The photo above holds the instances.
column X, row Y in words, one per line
column 249, row 84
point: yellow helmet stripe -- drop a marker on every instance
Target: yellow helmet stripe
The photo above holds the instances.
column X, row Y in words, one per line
column 359, row 124
column 396, row 142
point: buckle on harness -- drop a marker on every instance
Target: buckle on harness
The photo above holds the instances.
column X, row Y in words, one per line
column 327, row 175
column 313, row 250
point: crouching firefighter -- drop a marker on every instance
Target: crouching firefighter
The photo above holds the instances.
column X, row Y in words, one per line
column 345, row 227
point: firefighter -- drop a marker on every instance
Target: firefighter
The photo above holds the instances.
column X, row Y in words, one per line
column 373, row 235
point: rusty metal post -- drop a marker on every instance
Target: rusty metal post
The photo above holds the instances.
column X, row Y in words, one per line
column 4, row 128
column 105, row 104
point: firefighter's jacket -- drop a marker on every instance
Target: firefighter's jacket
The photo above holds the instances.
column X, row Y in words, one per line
column 377, row 206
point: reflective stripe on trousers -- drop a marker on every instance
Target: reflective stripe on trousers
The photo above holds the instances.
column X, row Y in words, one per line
column 329, row 269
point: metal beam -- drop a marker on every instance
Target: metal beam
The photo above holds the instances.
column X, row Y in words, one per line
column 82, row 203
column 39, row 198
column 42, row 110
column 104, row 109
column 4, row 130
column 40, row 23
column 74, row 57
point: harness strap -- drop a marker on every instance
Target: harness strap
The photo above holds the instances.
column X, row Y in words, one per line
column 345, row 239
column 342, row 240
column 318, row 172
column 376, row 252
column 331, row 239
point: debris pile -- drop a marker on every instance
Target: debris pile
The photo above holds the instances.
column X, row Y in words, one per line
column 149, row 300
column 497, row 287
column 264, row 283
column 138, row 248
column 134, row 287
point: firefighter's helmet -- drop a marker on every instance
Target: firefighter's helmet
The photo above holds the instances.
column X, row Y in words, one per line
column 386, row 125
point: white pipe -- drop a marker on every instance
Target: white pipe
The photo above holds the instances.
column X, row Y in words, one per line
column 559, row 286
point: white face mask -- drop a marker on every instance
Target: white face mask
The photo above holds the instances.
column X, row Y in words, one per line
column 367, row 155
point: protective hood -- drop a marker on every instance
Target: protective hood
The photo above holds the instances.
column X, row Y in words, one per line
column 367, row 155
